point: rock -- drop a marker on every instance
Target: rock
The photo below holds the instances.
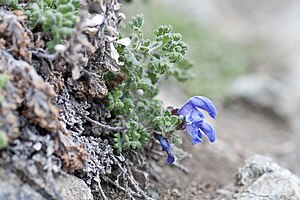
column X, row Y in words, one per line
column 12, row 188
column 18, row 186
column 72, row 187
column 267, row 92
column 279, row 94
column 261, row 178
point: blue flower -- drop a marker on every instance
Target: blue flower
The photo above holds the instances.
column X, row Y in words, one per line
column 195, row 124
column 166, row 147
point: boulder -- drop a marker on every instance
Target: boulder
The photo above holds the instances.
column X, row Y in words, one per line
column 262, row 179
column 16, row 186
column 12, row 188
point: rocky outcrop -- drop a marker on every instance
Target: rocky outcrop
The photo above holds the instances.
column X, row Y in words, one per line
column 262, row 179
column 276, row 93
column 72, row 187
column 262, row 90
column 15, row 186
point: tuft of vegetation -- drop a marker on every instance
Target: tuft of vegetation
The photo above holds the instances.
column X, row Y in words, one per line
column 67, row 110
column 56, row 17
column 218, row 60
column 3, row 82
column 145, row 63
column 3, row 140
column 10, row 3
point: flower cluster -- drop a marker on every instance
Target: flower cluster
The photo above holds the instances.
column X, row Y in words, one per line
column 194, row 123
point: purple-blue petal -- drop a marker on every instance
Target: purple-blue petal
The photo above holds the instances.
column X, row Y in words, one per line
column 205, row 104
column 185, row 109
column 209, row 131
column 194, row 133
column 163, row 142
column 171, row 158
column 195, row 116
column 167, row 148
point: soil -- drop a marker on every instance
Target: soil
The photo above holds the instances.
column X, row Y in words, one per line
column 242, row 131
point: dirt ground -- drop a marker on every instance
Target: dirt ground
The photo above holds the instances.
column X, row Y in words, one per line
column 242, row 131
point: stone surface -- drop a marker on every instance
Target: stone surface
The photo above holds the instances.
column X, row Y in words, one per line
column 261, row 178
column 268, row 92
column 279, row 94
column 12, row 188
column 72, row 187
column 18, row 186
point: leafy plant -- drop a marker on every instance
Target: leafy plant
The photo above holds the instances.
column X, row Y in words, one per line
column 145, row 63
column 56, row 17
column 11, row 3
column 219, row 59
column 3, row 140
column 3, row 82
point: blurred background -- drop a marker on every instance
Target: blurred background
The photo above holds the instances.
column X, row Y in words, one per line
column 246, row 56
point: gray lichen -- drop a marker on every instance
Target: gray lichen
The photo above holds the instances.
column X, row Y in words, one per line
column 53, row 114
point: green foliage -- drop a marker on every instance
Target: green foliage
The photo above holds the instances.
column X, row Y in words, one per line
column 118, row 104
column 3, row 83
column 3, row 80
column 149, row 60
column 3, row 140
column 176, row 139
column 218, row 59
column 137, row 22
column 181, row 71
column 56, row 17
column 134, row 137
column 146, row 62
column 11, row 3
column 167, row 122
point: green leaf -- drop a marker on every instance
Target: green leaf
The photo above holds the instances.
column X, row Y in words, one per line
column 162, row 30
column 176, row 139
column 181, row 71
column 145, row 63
column 137, row 21
column 118, row 142
column 3, row 80
column 1, row 98
column 63, row 1
column 3, row 140
column 66, row 8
